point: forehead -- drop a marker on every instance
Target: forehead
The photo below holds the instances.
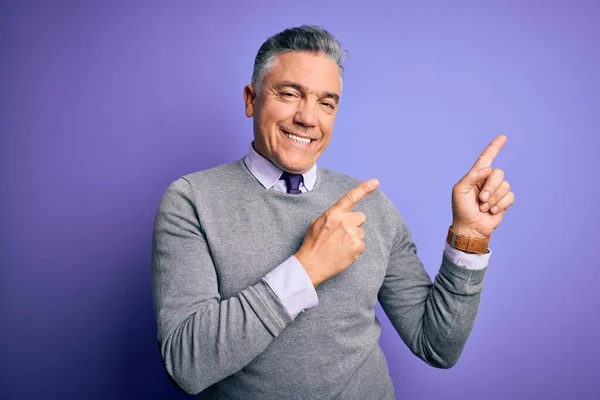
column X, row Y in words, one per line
column 315, row 71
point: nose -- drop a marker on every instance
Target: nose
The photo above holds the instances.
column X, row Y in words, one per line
column 306, row 114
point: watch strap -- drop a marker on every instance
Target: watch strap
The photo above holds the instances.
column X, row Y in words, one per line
column 466, row 243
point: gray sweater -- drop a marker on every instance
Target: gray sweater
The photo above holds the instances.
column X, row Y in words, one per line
column 223, row 332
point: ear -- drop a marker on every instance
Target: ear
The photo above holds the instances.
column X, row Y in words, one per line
column 249, row 98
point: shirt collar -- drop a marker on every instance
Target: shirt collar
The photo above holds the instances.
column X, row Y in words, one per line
column 268, row 173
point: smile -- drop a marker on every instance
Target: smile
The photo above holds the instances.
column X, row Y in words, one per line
column 298, row 139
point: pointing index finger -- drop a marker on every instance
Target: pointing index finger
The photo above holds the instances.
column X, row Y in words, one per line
column 488, row 155
column 356, row 194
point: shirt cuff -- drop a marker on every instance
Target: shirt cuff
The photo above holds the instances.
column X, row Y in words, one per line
column 292, row 285
column 467, row 260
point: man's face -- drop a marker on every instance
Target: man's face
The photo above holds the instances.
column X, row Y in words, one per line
column 299, row 96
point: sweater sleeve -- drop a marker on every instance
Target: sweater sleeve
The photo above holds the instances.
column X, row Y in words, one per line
column 203, row 338
column 434, row 319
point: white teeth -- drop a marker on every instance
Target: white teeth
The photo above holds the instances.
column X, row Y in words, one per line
column 298, row 139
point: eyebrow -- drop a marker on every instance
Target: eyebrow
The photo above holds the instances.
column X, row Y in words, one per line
column 302, row 88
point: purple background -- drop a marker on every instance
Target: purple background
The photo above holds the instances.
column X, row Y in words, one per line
column 102, row 105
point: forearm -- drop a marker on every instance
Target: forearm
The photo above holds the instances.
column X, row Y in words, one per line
column 434, row 319
column 449, row 314
column 221, row 337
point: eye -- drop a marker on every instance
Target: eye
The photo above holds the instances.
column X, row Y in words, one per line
column 288, row 94
column 329, row 105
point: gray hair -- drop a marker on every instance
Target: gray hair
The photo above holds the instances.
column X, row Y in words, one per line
column 306, row 38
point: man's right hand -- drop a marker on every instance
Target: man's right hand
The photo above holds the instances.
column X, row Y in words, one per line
column 335, row 239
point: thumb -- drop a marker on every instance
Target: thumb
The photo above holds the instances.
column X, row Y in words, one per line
column 476, row 177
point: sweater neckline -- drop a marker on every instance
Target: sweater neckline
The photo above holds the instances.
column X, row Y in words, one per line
column 273, row 192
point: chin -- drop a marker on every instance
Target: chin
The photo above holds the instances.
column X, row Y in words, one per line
column 295, row 167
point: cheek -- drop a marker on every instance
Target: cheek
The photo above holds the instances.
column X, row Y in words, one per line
column 326, row 127
column 278, row 111
column 265, row 123
column 272, row 116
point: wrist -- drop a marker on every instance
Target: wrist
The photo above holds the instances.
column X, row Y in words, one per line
column 311, row 272
column 468, row 240
column 467, row 232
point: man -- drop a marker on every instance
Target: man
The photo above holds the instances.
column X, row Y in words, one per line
column 266, row 271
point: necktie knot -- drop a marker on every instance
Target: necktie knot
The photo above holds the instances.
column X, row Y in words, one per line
column 292, row 181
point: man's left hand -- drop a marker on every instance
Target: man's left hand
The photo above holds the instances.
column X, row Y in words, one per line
column 480, row 199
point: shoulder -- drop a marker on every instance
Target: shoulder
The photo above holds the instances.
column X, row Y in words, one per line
column 188, row 187
column 222, row 174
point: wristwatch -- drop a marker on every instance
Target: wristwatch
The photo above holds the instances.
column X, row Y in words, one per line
column 466, row 243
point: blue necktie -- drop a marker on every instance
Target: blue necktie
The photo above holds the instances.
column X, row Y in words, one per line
column 292, row 181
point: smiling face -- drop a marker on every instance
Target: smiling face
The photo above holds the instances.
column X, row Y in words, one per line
column 295, row 110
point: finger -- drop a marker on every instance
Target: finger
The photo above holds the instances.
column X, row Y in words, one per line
column 490, row 185
column 360, row 248
column 500, row 192
column 473, row 178
column 488, row 155
column 503, row 203
column 357, row 218
column 360, row 233
column 355, row 195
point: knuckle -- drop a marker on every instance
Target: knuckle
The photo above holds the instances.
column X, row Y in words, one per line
column 350, row 197
column 330, row 216
column 328, row 222
column 507, row 199
column 358, row 249
column 346, row 225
